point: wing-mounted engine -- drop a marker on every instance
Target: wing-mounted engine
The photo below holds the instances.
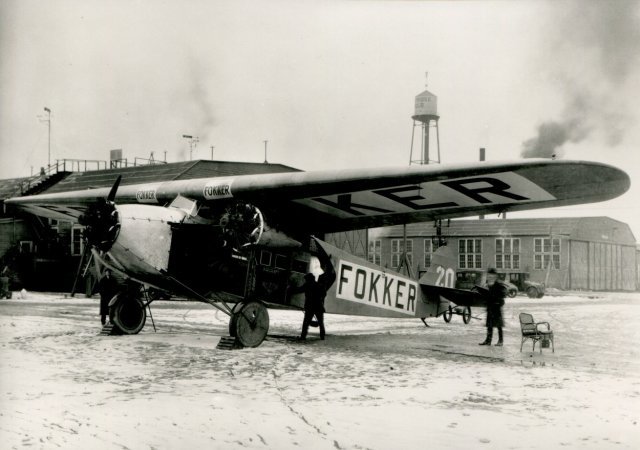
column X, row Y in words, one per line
column 243, row 225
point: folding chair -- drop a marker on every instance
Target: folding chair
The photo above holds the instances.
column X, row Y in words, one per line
column 531, row 330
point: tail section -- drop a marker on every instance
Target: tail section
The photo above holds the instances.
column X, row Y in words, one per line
column 442, row 271
column 438, row 284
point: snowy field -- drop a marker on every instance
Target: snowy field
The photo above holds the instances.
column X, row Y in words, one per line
column 373, row 384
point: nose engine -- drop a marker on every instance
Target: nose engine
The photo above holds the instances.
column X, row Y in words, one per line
column 102, row 224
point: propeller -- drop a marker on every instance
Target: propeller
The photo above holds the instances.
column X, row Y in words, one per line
column 101, row 220
column 243, row 225
column 102, row 225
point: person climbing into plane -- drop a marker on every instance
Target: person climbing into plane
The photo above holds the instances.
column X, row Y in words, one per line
column 311, row 306
column 315, row 293
column 494, row 294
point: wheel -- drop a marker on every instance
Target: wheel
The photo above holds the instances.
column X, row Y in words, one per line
column 127, row 313
column 466, row 315
column 532, row 292
column 251, row 324
column 540, row 294
column 512, row 293
column 446, row 315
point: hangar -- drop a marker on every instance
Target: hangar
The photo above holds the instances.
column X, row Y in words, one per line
column 577, row 253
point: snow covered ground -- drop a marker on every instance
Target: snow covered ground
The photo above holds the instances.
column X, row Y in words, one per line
column 374, row 383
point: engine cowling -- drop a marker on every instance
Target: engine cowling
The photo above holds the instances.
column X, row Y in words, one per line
column 244, row 225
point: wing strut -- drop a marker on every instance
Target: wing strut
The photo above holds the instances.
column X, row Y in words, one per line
column 227, row 309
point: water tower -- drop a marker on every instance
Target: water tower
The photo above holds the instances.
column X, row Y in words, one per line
column 426, row 117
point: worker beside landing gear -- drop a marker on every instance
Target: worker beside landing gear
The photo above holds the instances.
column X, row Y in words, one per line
column 108, row 288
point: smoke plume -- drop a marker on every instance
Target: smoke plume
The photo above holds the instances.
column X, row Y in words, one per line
column 594, row 53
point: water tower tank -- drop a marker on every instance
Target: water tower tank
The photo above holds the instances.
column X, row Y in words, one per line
column 426, row 106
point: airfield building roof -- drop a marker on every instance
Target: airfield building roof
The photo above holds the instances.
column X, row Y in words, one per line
column 164, row 172
column 601, row 228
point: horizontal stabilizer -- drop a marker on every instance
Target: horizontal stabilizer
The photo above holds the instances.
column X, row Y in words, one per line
column 458, row 296
column 440, row 280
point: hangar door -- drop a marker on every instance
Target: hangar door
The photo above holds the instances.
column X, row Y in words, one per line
column 602, row 267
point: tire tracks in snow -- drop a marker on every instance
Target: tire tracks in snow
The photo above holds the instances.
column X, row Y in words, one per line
column 295, row 412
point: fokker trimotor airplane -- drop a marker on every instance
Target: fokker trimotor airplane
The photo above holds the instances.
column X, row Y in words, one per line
column 207, row 238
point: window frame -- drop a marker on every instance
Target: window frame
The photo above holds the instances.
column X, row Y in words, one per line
column 470, row 260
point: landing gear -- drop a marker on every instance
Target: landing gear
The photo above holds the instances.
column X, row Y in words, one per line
column 466, row 315
column 249, row 323
column 446, row 315
column 127, row 313
column 464, row 311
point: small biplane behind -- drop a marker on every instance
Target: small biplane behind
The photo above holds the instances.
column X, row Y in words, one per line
column 240, row 242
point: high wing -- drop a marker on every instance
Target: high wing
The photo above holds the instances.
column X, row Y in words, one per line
column 338, row 200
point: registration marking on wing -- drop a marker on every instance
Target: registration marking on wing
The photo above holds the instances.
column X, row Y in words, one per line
column 488, row 190
column 372, row 287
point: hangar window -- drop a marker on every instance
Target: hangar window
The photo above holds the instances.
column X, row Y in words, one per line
column 546, row 252
column 77, row 243
column 430, row 246
column 54, row 225
column 508, row 253
column 397, row 249
column 375, row 252
column 470, row 253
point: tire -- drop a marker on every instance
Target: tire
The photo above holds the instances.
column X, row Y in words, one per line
column 251, row 324
column 512, row 293
column 128, row 314
column 532, row 292
column 446, row 315
column 466, row 315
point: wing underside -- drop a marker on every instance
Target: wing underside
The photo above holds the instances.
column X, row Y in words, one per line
column 351, row 199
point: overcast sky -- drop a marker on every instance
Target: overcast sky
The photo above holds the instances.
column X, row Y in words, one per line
column 329, row 84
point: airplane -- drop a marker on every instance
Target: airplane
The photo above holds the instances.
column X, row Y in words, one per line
column 241, row 242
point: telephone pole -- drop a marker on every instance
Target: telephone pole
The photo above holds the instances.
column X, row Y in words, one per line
column 265, row 151
column 48, row 111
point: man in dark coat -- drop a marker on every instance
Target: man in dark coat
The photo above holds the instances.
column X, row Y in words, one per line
column 311, row 305
column 315, row 293
column 108, row 288
column 494, row 295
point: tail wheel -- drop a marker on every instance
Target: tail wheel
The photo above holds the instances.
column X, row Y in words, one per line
column 251, row 324
column 447, row 314
column 127, row 313
column 466, row 315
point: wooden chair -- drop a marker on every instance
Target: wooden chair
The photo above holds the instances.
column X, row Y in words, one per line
column 531, row 330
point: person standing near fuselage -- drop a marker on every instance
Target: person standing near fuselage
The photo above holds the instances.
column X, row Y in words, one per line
column 494, row 295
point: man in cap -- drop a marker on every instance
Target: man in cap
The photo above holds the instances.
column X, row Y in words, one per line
column 494, row 295
column 108, row 288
